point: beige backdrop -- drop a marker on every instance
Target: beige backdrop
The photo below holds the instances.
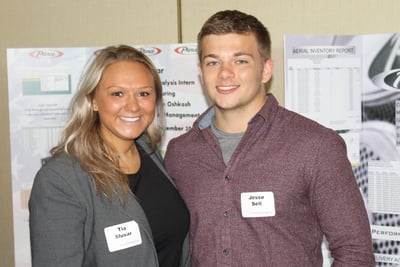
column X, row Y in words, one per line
column 74, row 23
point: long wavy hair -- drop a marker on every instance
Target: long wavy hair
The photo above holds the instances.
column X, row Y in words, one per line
column 81, row 138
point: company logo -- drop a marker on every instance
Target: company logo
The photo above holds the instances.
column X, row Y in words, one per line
column 46, row 53
column 393, row 79
column 96, row 52
column 385, row 68
column 149, row 51
column 389, row 80
column 186, row 50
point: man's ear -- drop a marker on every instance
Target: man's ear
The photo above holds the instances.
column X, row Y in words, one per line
column 267, row 71
column 200, row 72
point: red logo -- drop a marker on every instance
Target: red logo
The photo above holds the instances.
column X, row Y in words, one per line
column 45, row 53
column 186, row 50
column 96, row 52
column 149, row 51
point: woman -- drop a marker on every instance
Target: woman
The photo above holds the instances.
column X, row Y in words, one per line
column 104, row 197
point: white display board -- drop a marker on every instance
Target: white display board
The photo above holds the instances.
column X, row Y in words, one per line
column 351, row 83
column 41, row 82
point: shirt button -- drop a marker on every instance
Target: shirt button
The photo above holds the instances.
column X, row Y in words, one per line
column 225, row 251
column 226, row 214
column 228, row 178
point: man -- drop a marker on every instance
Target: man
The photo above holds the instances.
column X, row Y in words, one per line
column 263, row 184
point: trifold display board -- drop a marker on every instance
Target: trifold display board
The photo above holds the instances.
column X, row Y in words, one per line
column 41, row 83
column 348, row 83
column 351, row 83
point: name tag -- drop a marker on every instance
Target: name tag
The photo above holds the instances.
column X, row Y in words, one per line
column 122, row 236
column 257, row 204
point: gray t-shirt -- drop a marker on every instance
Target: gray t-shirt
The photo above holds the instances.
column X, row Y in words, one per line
column 227, row 141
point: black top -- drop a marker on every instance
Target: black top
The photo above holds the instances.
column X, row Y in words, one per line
column 167, row 213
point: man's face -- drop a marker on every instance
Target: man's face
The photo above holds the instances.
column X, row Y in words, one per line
column 234, row 73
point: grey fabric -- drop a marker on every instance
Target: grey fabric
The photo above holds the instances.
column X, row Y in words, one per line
column 227, row 141
column 68, row 217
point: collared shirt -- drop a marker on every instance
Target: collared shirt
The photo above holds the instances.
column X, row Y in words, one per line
column 301, row 164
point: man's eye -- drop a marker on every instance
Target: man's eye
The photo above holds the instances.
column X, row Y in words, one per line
column 211, row 63
column 117, row 94
column 241, row 61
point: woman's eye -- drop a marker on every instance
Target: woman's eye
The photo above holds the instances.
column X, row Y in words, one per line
column 117, row 94
column 144, row 93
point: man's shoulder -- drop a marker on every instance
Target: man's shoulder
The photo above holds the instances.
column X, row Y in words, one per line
column 299, row 121
column 185, row 144
column 188, row 137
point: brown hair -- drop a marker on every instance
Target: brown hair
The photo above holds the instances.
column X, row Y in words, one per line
column 233, row 21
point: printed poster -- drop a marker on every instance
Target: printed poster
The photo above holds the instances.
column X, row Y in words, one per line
column 41, row 82
column 351, row 83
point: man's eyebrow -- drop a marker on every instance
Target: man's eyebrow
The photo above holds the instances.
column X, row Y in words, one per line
column 237, row 54
column 210, row 55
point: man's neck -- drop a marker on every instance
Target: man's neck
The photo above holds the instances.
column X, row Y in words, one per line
column 236, row 120
column 230, row 122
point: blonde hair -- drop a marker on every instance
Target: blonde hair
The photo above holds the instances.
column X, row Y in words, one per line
column 81, row 137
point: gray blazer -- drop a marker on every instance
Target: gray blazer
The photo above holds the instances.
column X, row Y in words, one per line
column 68, row 217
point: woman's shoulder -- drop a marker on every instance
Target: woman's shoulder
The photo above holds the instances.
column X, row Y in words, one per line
column 61, row 165
column 59, row 160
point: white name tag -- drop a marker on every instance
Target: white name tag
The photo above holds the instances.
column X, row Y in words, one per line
column 257, row 204
column 122, row 236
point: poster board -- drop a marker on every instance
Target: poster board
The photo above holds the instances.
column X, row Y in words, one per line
column 41, row 82
column 351, row 83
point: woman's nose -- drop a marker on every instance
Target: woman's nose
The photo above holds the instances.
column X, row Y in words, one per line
column 131, row 103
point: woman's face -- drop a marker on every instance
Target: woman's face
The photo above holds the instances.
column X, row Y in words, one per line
column 125, row 99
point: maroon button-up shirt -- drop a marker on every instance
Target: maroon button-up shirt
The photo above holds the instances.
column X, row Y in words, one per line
column 306, row 168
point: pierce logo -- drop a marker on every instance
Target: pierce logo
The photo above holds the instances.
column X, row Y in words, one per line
column 186, row 50
column 46, row 53
column 149, row 51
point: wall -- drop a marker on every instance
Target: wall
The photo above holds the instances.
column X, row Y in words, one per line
column 298, row 17
column 49, row 23
column 74, row 23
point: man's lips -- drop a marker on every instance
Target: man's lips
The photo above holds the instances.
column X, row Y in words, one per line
column 227, row 89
